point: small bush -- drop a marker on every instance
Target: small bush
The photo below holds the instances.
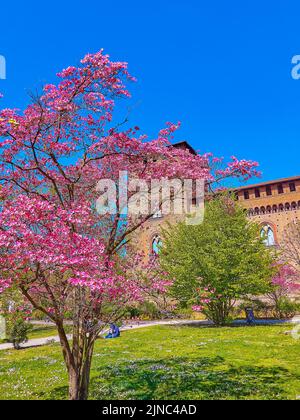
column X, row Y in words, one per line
column 286, row 308
column 18, row 333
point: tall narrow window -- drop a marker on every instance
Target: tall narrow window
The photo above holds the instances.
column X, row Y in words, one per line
column 257, row 192
column 268, row 236
column 292, row 187
column 246, row 195
column 271, row 238
column 269, row 190
column 280, row 189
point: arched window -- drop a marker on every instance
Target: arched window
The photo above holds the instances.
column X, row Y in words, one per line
column 256, row 210
column 269, row 209
column 274, row 209
column 156, row 245
column 281, row 207
column 267, row 234
column 294, row 205
column 250, row 212
column 262, row 210
column 287, row 206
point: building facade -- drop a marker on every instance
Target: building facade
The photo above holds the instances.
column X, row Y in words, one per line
column 273, row 205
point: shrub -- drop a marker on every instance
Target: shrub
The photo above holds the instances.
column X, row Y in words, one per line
column 18, row 332
column 286, row 308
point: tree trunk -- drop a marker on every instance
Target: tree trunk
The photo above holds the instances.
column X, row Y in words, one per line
column 85, row 380
column 78, row 360
column 79, row 379
column 219, row 312
column 73, row 384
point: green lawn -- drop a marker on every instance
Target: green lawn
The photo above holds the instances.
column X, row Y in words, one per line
column 42, row 331
column 167, row 363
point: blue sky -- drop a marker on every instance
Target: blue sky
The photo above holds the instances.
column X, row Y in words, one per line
column 222, row 68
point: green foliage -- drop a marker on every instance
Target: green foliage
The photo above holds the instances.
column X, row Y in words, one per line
column 10, row 298
column 224, row 254
column 18, row 332
column 281, row 308
column 146, row 310
column 15, row 312
column 261, row 308
column 149, row 310
column 286, row 308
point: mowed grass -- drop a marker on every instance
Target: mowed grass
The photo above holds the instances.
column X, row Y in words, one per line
column 167, row 363
column 42, row 331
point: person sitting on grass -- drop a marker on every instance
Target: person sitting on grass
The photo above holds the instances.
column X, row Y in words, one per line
column 114, row 331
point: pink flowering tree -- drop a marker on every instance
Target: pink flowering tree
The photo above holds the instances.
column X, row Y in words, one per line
column 66, row 258
column 285, row 285
column 153, row 280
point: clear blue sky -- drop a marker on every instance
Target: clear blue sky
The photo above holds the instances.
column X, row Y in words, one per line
column 223, row 68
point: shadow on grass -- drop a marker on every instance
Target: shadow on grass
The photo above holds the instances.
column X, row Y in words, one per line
column 233, row 324
column 181, row 378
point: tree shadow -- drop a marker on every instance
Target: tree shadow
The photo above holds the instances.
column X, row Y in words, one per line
column 233, row 324
column 182, row 378
column 56, row 394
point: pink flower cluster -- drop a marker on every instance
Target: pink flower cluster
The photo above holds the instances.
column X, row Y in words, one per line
column 286, row 279
column 4, row 284
column 205, row 296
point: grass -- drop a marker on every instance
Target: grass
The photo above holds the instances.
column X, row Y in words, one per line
column 42, row 331
column 167, row 362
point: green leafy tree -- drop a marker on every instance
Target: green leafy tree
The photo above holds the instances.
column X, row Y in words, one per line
column 218, row 262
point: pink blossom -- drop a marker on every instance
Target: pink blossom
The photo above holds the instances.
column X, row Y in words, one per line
column 197, row 308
